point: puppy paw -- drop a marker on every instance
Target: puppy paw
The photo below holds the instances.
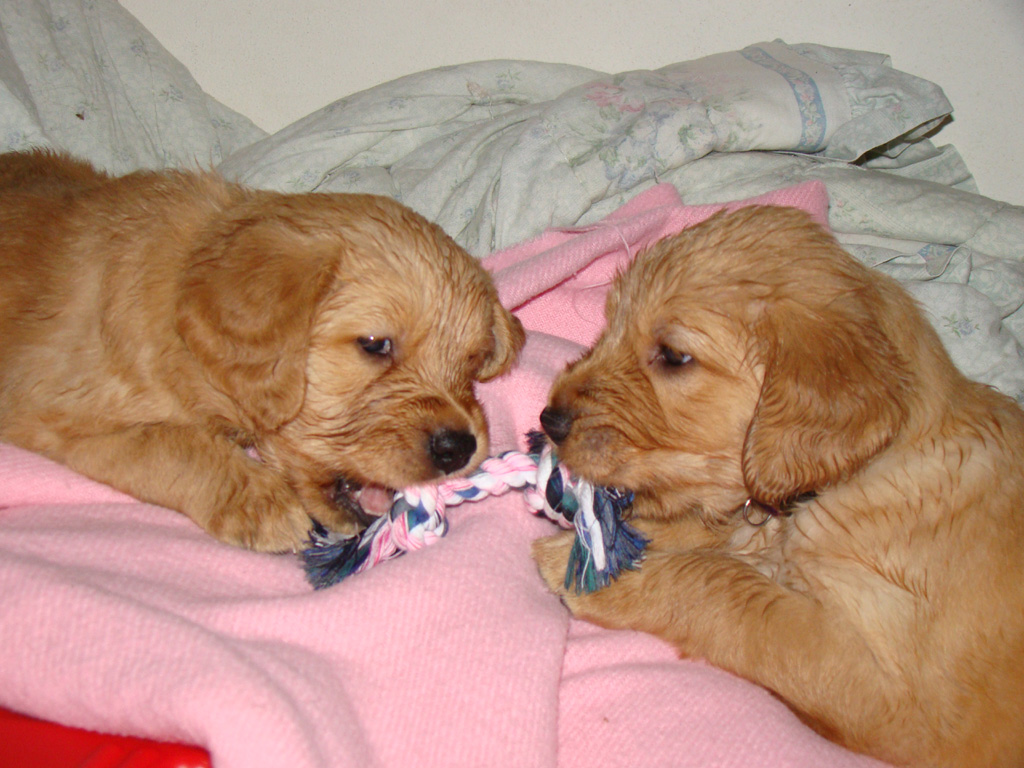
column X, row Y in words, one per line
column 269, row 524
column 259, row 511
column 612, row 606
column 327, row 513
column 552, row 557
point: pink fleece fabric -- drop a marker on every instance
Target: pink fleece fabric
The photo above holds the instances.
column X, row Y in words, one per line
column 124, row 617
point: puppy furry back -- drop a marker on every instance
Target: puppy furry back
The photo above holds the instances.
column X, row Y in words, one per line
column 750, row 358
column 155, row 326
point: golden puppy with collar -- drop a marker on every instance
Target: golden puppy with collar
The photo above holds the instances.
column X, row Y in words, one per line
column 834, row 510
column 249, row 358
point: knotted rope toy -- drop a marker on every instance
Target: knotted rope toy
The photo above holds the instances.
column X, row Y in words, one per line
column 605, row 544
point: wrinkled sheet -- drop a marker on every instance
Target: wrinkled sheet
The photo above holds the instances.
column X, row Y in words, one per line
column 498, row 151
column 86, row 77
column 123, row 617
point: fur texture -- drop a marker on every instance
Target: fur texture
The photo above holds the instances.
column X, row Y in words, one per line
column 154, row 327
column 882, row 597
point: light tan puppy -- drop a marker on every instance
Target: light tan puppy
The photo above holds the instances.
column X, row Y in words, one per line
column 156, row 326
column 834, row 511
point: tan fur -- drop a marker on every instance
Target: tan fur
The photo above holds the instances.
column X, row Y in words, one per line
column 155, row 326
column 887, row 610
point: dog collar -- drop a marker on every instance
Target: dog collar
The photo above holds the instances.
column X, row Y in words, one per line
column 757, row 514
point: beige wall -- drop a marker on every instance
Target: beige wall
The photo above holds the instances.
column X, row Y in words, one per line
column 277, row 60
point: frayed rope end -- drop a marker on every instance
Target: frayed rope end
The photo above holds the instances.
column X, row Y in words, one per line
column 605, row 543
column 327, row 560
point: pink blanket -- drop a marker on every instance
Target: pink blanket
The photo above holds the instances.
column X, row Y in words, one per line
column 123, row 617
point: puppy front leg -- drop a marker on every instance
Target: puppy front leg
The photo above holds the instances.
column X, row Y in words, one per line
column 205, row 475
column 712, row 605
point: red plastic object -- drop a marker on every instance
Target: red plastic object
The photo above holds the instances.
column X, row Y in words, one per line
column 29, row 743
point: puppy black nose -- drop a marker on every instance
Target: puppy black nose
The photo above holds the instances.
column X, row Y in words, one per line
column 451, row 450
column 557, row 422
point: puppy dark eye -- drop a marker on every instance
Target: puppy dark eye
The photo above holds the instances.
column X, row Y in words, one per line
column 672, row 358
column 379, row 346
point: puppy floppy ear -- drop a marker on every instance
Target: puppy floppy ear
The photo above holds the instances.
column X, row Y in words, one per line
column 245, row 309
column 509, row 338
column 834, row 395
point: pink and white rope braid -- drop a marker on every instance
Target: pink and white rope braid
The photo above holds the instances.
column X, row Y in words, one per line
column 417, row 515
